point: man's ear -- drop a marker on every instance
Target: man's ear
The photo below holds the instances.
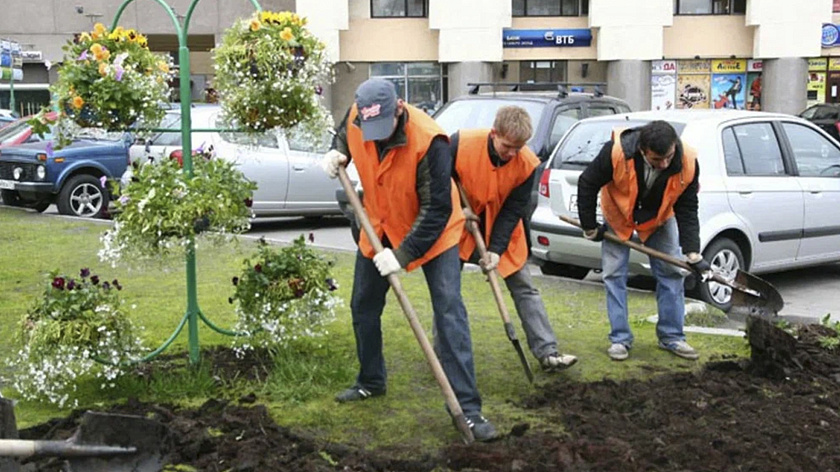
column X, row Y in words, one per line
column 400, row 106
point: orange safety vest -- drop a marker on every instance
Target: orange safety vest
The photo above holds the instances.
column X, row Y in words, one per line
column 619, row 196
column 487, row 187
column 390, row 189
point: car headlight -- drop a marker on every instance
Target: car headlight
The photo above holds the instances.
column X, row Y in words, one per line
column 41, row 172
column 17, row 173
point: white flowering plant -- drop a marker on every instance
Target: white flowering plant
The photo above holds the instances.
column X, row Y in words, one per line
column 269, row 74
column 110, row 80
column 283, row 295
column 160, row 208
column 78, row 328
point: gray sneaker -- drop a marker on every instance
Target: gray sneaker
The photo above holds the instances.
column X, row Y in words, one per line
column 357, row 393
column 556, row 362
column 482, row 429
column 680, row 348
column 618, row 352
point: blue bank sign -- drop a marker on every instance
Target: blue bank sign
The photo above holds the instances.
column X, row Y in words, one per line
column 541, row 38
column 830, row 35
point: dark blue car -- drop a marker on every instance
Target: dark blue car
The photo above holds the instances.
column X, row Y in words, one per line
column 34, row 176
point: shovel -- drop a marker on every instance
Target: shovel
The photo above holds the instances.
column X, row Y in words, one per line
column 394, row 280
column 102, row 443
column 492, row 278
column 751, row 295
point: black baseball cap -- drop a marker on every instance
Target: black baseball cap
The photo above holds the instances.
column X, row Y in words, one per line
column 376, row 101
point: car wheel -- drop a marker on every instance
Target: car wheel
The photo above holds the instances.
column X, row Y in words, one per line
column 564, row 270
column 83, row 195
column 726, row 258
column 11, row 198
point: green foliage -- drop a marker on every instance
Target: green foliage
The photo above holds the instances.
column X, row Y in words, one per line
column 283, row 294
column 74, row 322
column 162, row 207
column 269, row 71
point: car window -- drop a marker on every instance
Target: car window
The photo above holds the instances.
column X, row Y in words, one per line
column 815, row 155
column 601, row 111
column 266, row 139
column 562, row 122
column 825, row 113
column 809, row 113
column 300, row 140
column 760, row 150
column 480, row 113
column 13, row 130
column 732, row 154
column 170, row 121
column 583, row 142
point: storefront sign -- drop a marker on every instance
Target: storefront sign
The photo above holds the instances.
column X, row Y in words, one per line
column 834, row 64
column 663, row 67
column 34, row 56
column 541, row 38
column 697, row 66
column 830, row 35
column 818, row 64
column 725, row 66
column 755, row 65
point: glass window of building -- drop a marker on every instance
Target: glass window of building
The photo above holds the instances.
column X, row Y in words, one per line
column 542, row 71
column 710, row 7
column 422, row 84
column 398, row 8
column 550, row 7
column 836, row 8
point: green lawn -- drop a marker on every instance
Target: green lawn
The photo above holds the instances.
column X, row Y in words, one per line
column 304, row 379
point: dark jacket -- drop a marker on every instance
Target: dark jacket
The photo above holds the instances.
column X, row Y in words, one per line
column 600, row 173
column 514, row 208
column 433, row 189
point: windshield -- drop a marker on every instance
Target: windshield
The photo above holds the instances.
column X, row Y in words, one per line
column 584, row 141
column 467, row 114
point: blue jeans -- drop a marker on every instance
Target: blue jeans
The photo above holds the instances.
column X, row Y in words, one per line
column 670, row 293
column 453, row 344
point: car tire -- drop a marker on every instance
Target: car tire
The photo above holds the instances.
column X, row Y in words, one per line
column 725, row 257
column 11, row 198
column 83, row 195
column 564, row 270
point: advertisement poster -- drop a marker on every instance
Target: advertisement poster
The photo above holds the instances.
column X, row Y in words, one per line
column 816, row 88
column 729, row 91
column 693, row 90
column 728, row 66
column 662, row 92
column 754, row 91
column 696, row 66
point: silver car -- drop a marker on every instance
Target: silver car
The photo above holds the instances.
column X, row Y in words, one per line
column 287, row 170
column 769, row 198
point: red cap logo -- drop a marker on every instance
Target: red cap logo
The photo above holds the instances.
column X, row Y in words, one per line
column 370, row 112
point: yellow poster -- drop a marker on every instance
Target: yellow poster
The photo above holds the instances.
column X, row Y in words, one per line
column 834, row 64
column 693, row 90
column 727, row 66
column 698, row 66
column 818, row 64
column 816, row 88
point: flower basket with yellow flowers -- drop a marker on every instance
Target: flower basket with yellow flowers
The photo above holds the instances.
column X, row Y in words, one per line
column 270, row 70
column 110, row 80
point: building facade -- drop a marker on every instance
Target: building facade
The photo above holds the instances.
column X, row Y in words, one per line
column 775, row 55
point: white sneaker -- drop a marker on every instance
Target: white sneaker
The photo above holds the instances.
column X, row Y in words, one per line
column 680, row 348
column 556, row 362
column 617, row 352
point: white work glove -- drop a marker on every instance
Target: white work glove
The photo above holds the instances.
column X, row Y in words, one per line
column 386, row 262
column 331, row 161
column 489, row 262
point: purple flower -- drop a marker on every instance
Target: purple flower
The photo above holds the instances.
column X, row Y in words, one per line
column 331, row 285
column 49, row 149
column 102, row 181
column 249, row 202
column 83, row 56
column 311, row 237
column 84, row 273
column 199, row 149
column 71, row 284
column 58, row 283
column 258, row 268
column 299, row 293
column 235, row 281
column 116, row 284
column 106, row 285
column 319, row 90
column 124, row 199
column 119, row 73
column 94, row 279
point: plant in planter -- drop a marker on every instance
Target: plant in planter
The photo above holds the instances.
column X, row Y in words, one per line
column 269, row 73
column 283, row 295
column 108, row 79
column 161, row 209
column 77, row 328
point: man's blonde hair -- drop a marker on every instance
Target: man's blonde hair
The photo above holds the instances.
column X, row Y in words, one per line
column 514, row 123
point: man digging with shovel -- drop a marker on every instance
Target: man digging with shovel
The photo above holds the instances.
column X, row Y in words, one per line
column 648, row 182
column 496, row 171
column 403, row 161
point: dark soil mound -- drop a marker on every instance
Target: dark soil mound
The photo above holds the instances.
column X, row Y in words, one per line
column 778, row 411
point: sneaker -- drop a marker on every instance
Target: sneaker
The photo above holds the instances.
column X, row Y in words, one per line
column 482, row 429
column 357, row 393
column 680, row 348
column 618, row 352
column 556, row 362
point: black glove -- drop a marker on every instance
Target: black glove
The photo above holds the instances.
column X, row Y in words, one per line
column 702, row 268
column 598, row 235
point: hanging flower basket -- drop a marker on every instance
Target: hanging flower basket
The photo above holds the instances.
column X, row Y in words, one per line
column 269, row 74
column 110, row 79
column 161, row 207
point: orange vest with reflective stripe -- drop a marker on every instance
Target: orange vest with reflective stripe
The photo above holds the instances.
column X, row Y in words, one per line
column 619, row 196
column 390, row 198
column 487, row 187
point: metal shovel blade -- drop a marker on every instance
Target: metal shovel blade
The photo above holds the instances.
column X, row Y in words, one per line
column 753, row 296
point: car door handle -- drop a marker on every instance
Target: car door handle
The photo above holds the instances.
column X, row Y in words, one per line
column 745, row 193
column 815, row 192
column 299, row 168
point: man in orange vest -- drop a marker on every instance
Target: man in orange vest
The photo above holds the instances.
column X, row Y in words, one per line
column 496, row 170
column 403, row 161
column 648, row 183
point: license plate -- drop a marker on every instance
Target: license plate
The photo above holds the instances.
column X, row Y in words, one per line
column 7, row 185
column 573, row 206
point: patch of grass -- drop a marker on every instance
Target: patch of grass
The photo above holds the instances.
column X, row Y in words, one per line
column 299, row 391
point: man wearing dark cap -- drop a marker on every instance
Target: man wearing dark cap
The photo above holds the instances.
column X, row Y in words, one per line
column 404, row 165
